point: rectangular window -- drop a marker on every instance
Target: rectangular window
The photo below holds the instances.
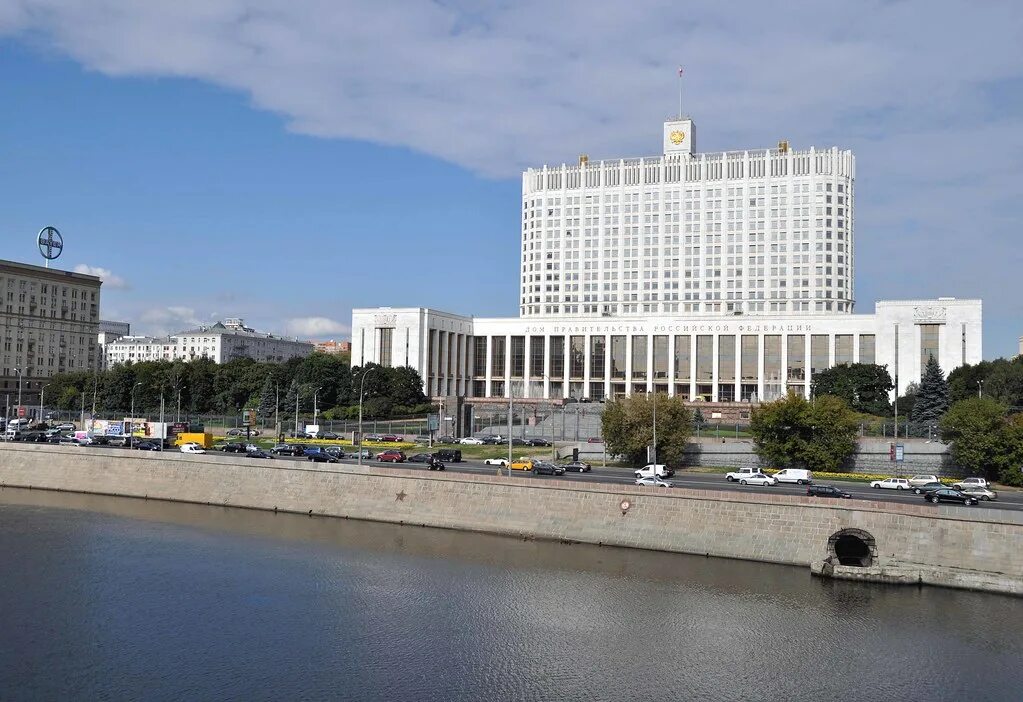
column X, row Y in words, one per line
column 683, row 359
column 618, row 357
column 928, row 344
column 536, row 364
column 577, row 356
column 797, row 360
column 638, row 357
column 518, row 356
column 750, row 352
column 704, row 358
column 818, row 353
column 843, row 349
column 479, row 357
column 867, row 349
column 557, row 362
column 597, row 348
column 660, row 358
column 497, row 344
column 726, row 358
column 386, row 344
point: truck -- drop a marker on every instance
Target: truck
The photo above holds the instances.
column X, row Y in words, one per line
column 652, row 470
column 204, row 439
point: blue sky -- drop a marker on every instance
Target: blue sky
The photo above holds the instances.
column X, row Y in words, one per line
column 287, row 161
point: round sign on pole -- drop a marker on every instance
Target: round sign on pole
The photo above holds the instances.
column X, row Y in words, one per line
column 51, row 243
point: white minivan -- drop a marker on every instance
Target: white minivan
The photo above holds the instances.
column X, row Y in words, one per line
column 794, row 475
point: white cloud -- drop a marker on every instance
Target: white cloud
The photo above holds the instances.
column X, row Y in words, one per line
column 109, row 279
column 161, row 321
column 315, row 327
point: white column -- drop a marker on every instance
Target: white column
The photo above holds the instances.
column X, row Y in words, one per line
column 525, row 365
column 546, row 366
column 761, row 355
column 650, row 363
column 507, row 365
column 784, row 364
column 671, row 364
column 490, row 358
column 692, row 364
column 628, row 364
column 715, row 370
column 587, row 370
column 607, row 365
column 807, row 356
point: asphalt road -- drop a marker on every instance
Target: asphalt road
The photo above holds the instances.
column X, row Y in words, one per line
column 1007, row 499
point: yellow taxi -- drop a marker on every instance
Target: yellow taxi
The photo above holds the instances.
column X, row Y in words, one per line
column 522, row 464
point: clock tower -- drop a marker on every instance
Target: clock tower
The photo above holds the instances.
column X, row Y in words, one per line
column 678, row 137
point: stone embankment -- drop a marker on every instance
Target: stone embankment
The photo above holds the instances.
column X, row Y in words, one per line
column 889, row 542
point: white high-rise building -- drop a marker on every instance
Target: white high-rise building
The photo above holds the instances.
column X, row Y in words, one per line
column 752, row 232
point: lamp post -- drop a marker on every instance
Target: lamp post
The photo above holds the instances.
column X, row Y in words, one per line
column 362, row 389
column 42, row 394
column 980, row 388
column 550, row 417
column 316, row 411
column 177, row 417
column 20, row 375
column 277, row 409
column 131, row 424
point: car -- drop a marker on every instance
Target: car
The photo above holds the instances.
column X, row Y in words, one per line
column 364, row 453
column 891, row 484
column 434, row 464
column 946, row 494
column 147, row 446
column 391, row 438
column 36, row 437
column 794, row 475
column 321, row 457
column 496, row 462
column 57, row 438
column 470, row 441
column 544, row 468
column 736, row 475
column 538, row 442
column 233, row 447
column 117, row 441
column 922, row 480
column 653, row 481
column 258, row 453
column 519, row 442
column 335, row 451
column 970, row 482
column 522, row 464
column 446, row 440
column 493, row 440
column 329, row 435
column 288, row 450
column 191, row 447
column 761, row 479
column 981, row 493
column 576, row 467
column 69, row 441
column 66, row 426
column 927, row 487
column 312, row 451
column 826, row 491
column 654, row 471
column 235, row 432
column 391, row 456
column 449, row 455
column 420, row 458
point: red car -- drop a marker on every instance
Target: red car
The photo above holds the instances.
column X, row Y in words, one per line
column 392, row 457
column 390, row 438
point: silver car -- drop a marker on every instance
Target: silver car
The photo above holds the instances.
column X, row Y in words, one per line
column 981, row 493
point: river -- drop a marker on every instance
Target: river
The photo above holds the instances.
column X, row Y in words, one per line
column 105, row 598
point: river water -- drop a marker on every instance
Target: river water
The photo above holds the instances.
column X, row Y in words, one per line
column 115, row 599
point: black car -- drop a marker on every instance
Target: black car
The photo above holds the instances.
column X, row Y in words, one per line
column 826, row 491
column 434, row 464
column 258, row 453
column 233, row 448
column 950, row 495
column 321, row 457
column 335, row 451
column 519, row 442
column 539, row 442
column 288, row 449
column 329, row 435
column 491, row 440
column 927, row 487
column 445, row 439
column 543, row 468
column 449, row 455
column 147, row 446
column 576, row 467
column 420, row 458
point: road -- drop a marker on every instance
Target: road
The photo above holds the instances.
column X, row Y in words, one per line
column 1007, row 499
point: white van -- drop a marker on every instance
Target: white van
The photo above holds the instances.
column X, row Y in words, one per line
column 794, row 475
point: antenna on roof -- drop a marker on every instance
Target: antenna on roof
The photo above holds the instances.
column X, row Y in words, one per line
column 680, row 92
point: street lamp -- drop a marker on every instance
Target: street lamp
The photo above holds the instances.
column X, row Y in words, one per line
column 177, row 417
column 362, row 386
column 20, row 375
column 980, row 388
column 316, row 411
column 131, row 427
column 42, row 394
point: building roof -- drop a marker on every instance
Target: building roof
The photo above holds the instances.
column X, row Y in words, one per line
column 52, row 273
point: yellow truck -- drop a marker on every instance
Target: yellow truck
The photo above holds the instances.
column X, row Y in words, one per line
column 205, row 440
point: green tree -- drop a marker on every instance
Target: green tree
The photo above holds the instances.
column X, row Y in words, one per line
column 984, row 439
column 863, row 386
column 290, row 400
column 405, row 386
column 963, row 382
column 793, row 432
column 628, row 427
column 932, row 398
column 908, row 401
column 267, row 398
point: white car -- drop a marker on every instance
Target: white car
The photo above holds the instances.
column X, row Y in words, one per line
column 192, row 447
column 758, row 479
column 799, row 476
column 653, row 482
column 471, row 441
column 922, row 480
column 891, row 484
column 654, row 471
column 496, row 462
column 736, row 475
column 970, row 483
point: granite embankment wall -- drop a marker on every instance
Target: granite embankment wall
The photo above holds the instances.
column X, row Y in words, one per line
column 955, row 546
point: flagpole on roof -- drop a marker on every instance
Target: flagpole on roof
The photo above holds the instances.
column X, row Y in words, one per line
column 680, row 92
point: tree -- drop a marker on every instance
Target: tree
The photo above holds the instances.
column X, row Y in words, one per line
column 932, row 398
column 863, row 386
column 628, row 427
column 267, row 398
column 405, row 386
column 984, row 439
column 907, row 402
column 290, row 400
column 791, row 431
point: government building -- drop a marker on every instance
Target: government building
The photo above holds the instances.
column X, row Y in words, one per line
column 721, row 277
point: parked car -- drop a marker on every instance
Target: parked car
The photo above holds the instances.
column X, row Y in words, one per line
column 923, row 480
column 235, row 432
column 891, row 484
column 391, row 438
column 538, row 442
column 544, row 468
column 258, row 453
column 191, row 447
column 653, row 481
column 576, row 467
column 496, row 462
column 329, row 435
column 493, row 440
column 445, row 439
column 449, row 455
column 951, row 495
column 66, row 426
column 927, row 487
column 761, row 479
column 794, row 475
column 519, row 442
column 826, row 491
column 391, row 456
column 970, row 482
column 288, row 450
column 981, row 493
column 470, row 441
column 420, row 458
column 321, row 457
column 654, row 471
column 147, row 446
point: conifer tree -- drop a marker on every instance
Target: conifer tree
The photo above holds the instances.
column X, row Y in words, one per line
column 932, row 397
column 267, row 398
